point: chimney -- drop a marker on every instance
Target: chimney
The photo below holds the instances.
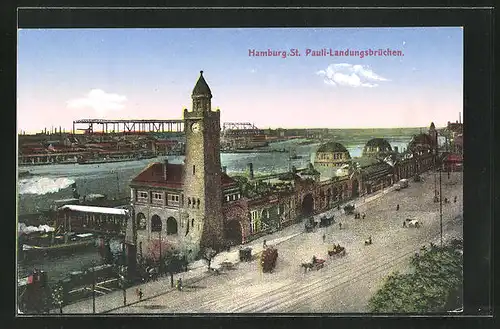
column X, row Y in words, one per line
column 250, row 171
column 224, row 169
column 165, row 166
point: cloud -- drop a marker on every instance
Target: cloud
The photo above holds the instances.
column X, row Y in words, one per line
column 350, row 75
column 100, row 101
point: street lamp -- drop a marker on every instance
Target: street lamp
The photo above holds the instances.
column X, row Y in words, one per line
column 93, row 287
column 123, row 283
column 440, row 207
column 160, row 259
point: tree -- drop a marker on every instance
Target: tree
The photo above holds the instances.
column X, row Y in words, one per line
column 154, row 249
column 434, row 285
column 208, row 255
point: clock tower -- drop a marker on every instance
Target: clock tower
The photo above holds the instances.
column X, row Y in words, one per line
column 202, row 171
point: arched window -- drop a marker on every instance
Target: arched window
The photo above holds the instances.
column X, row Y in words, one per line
column 141, row 221
column 171, row 226
column 156, row 223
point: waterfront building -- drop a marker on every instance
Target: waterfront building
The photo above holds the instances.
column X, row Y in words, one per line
column 196, row 204
column 377, row 147
column 331, row 154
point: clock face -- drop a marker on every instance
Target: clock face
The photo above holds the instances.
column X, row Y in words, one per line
column 195, row 127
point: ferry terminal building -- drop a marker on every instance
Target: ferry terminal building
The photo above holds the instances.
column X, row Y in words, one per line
column 195, row 205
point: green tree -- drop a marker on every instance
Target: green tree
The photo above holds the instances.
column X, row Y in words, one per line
column 433, row 285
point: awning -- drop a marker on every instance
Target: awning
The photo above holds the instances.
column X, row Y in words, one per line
column 96, row 210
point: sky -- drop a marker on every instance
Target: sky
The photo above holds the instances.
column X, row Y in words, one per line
column 69, row 74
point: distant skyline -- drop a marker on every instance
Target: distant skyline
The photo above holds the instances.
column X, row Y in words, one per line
column 70, row 74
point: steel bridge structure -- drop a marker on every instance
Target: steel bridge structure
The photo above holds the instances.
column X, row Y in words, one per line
column 128, row 126
column 102, row 126
column 230, row 129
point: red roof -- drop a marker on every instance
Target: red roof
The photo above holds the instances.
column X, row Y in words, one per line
column 227, row 181
column 154, row 176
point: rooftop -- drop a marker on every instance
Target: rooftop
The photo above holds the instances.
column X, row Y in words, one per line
column 332, row 147
column 201, row 87
column 380, row 143
column 154, row 175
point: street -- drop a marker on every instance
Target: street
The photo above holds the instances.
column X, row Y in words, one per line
column 343, row 285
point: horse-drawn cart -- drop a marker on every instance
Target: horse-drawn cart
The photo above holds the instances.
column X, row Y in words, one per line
column 268, row 259
column 411, row 222
column 349, row 209
column 336, row 251
column 310, row 224
column 326, row 221
column 316, row 264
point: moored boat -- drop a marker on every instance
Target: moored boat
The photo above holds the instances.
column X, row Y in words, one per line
column 46, row 244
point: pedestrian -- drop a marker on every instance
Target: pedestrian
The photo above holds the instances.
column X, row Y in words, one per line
column 455, row 199
column 364, row 215
column 324, row 237
column 140, row 294
column 340, row 225
column 397, row 207
column 179, row 284
column 404, row 223
column 264, row 244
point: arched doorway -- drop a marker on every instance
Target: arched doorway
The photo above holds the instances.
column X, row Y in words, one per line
column 308, row 205
column 355, row 188
column 322, row 198
column 335, row 194
column 141, row 221
column 232, row 232
column 171, row 226
column 156, row 223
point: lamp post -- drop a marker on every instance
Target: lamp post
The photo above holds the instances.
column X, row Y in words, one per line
column 123, row 285
column 123, row 274
column 93, row 287
column 160, row 259
column 440, row 207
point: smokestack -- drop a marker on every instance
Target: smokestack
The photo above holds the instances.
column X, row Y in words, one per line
column 250, row 171
column 165, row 166
column 224, row 169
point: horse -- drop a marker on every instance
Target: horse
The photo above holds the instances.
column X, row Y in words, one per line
column 307, row 266
column 414, row 223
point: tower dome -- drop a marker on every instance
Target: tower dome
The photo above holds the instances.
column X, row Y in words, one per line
column 377, row 146
column 331, row 154
column 201, row 88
